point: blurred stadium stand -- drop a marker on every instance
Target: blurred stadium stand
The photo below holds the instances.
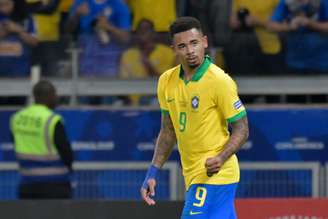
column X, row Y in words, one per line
column 251, row 86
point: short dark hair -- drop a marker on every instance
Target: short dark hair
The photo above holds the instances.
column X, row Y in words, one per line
column 43, row 90
column 182, row 24
column 145, row 20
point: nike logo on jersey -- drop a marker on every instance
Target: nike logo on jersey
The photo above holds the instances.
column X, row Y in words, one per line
column 195, row 212
column 170, row 100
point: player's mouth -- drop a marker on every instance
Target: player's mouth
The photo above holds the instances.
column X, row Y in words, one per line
column 192, row 59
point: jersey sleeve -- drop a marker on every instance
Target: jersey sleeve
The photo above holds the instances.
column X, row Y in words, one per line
column 228, row 100
column 161, row 94
column 280, row 13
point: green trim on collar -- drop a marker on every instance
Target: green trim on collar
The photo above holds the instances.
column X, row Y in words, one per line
column 200, row 71
column 237, row 117
column 165, row 112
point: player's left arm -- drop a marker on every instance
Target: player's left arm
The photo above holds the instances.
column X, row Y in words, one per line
column 238, row 137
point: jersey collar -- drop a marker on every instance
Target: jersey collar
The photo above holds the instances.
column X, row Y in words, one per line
column 200, row 71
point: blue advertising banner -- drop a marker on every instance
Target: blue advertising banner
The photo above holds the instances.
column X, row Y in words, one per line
column 129, row 135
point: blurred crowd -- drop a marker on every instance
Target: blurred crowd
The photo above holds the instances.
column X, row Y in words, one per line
column 129, row 39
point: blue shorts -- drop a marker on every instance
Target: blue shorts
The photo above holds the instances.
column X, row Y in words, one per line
column 205, row 201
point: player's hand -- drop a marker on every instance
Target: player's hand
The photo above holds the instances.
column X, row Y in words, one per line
column 13, row 27
column 146, row 193
column 296, row 22
column 234, row 22
column 252, row 21
column 306, row 22
column 83, row 9
column 103, row 23
column 213, row 165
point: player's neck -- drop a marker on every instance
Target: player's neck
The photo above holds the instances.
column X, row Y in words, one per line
column 189, row 72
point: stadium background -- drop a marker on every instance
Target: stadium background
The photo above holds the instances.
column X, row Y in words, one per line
column 284, row 165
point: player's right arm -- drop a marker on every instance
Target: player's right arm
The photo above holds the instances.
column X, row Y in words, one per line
column 164, row 145
column 165, row 141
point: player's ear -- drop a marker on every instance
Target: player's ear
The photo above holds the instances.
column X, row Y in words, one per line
column 205, row 41
column 173, row 48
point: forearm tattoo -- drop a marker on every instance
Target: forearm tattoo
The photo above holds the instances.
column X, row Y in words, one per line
column 238, row 137
column 165, row 141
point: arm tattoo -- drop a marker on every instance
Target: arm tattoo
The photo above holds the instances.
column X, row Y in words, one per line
column 238, row 137
column 165, row 141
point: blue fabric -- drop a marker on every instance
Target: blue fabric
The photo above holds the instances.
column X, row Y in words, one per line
column 151, row 174
column 116, row 10
column 97, row 59
column 29, row 164
column 281, row 12
column 218, row 202
column 37, row 179
column 305, row 49
column 15, row 64
column 40, row 164
column 3, row 17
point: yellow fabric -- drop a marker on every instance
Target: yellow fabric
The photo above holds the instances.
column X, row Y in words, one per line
column 161, row 12
column 206, row 126
column 65, row 5
column 131, row 66
column 47, row 26
column 269, row 42
column 29, row 130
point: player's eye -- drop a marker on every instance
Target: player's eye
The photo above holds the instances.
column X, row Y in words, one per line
column 181, row 46
column 194, row 43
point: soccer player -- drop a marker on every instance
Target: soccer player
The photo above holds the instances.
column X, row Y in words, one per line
column 198, row 101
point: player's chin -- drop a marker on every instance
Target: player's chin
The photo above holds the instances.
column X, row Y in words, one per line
column 210, row 174
column 193, row 65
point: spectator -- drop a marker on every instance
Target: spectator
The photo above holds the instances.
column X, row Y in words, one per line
column 43, row 151
column 46, row 15
column 214, row 16
column 148, row 58
column 306, row 22
column 253, row 49
column 103, row 27
column 64, row 8
column 161, row 12
column 17, row 36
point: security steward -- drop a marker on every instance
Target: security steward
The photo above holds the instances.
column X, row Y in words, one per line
column 42, row 148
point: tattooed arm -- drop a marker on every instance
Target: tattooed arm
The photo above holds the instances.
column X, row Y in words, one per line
column 238, row 137
column 165, row 141
column 164, row 145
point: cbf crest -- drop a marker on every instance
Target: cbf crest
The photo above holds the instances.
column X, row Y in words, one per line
column 195, row 103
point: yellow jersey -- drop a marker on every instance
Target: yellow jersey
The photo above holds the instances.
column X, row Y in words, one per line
column 269, row 41
column 200, row 110
column 47, row 25
column 131, row 66
column 161, row 12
